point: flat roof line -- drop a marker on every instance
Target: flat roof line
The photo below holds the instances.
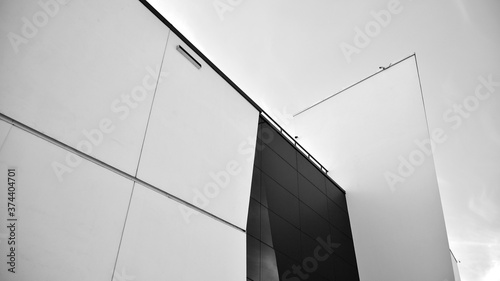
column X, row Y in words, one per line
column 240, row 91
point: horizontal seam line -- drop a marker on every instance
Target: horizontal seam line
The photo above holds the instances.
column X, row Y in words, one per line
column 115, row 170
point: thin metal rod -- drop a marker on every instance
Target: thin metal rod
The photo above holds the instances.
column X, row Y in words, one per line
column 299, row 148
column 345, row 89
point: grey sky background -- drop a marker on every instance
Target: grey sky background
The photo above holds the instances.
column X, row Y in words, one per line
column 287, row 55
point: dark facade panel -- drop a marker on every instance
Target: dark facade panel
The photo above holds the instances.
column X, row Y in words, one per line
column 313, row 224
column 278, row 169
column 339, row 218
column 324, row 255
column 253, row 259
column 285, row 266
column 268, row 264
column 258, row 148
column 253, row 223
column 255, row 191
column 299, row 217
column 280, row 201
column 313, row 197
column 344, row 271
column 279, row 144
column 308, row 170
column 346, row 247
column 265, row 227
column 287, row 236
column 336, row 195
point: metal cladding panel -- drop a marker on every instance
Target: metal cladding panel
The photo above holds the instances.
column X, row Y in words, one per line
column 158, row 244
column 374, row 140
column 52, row 230
column 200, row 142
column 82, row 72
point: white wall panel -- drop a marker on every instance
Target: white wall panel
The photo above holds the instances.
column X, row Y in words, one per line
column 65, row 231
column 364, row 135
column 82, row 72
column 200, row 142
column 158, row 244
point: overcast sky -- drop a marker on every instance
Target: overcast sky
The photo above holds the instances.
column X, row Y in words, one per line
column 288, row 54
